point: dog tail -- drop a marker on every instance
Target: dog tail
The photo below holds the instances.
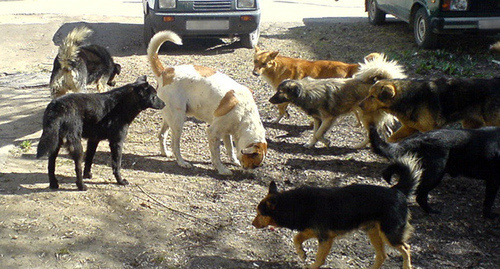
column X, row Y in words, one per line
column 70, row 47
column 409, row 170
column 154, row 45
column 49, row 139
column 380, row 146
column 376, row 67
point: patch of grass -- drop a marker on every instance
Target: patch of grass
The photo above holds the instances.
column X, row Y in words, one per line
column 25, row 145
column 443, row 62
column 62, row 252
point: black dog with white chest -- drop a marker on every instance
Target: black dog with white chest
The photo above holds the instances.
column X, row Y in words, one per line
column 473, row 153
column 95, row 116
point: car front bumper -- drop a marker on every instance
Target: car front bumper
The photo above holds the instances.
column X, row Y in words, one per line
column 213, row 24
column 472, row 24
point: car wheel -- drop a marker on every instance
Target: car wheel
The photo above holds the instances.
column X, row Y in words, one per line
column 375, row 15
column 250, row 40
column 424, row 37
column 148, row 31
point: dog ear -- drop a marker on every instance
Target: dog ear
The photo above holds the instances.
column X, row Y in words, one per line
column 273, row 189
column 387, row 92
column 273, row 55
column 141, row 79
column 293, row 89
column 118, row 69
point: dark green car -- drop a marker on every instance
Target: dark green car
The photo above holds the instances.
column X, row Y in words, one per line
column 431, row 18
column 204, row 18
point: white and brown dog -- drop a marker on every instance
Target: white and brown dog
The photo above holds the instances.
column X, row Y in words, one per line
column 208, row 95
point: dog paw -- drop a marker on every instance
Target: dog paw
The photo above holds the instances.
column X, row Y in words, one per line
column 325, row 142
column 54, row 186
column 81, row 187
column 87, row 175
column 123, row 182
column 184, row 164
column 309, row 145
column 225, row 172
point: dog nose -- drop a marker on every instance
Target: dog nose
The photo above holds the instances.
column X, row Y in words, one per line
column 255, row 73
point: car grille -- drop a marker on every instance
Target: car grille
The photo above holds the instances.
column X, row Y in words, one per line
column 212, row 5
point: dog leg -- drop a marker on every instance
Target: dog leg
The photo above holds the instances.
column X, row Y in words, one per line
column 76, row 153
column 228, row 143
column 162, row 136
column 176, row 126
column 53, row 184
column 313, row 140
column 431, row 178
column 214, row 146
column 282, row 112
column 116, row 160
column 89, row 157
column 358, row 118
column 492, row 186
column 378, row 244
column 326, row 123
column 401, row 133
column 404, row 249
column 324, row 246
column 299, row 239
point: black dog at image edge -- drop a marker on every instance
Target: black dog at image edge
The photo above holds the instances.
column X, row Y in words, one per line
column 473, row 153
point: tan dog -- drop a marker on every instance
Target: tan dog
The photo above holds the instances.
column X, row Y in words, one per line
column 276, row 68
column 208, row 95
column 424, row 105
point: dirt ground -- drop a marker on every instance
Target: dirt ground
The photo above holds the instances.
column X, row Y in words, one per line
column 170, row 217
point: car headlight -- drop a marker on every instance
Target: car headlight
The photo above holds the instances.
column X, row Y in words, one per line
column 455, row 5
column 245, row 4
column 167, row 3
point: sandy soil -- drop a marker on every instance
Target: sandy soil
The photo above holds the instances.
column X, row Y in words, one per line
column 170, row 217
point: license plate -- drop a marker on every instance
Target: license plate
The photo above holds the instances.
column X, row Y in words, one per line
column 207, row 25
column 489, row 24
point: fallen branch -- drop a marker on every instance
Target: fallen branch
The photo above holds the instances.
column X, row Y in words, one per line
column 171, row 209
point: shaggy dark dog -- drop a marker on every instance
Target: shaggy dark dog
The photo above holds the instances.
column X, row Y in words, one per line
column 77, row 65
column 95, row 116
column 472, row 153
column 327, row 213
column 424, row 105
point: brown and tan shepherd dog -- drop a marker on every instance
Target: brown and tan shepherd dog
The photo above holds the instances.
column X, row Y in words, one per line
column 424, row 105
column 326, row 213
column 276, row 68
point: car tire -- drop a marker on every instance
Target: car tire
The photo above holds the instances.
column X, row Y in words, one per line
column 424, row 37
column 375, row 15
column 148, row 31
column 250, row 40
